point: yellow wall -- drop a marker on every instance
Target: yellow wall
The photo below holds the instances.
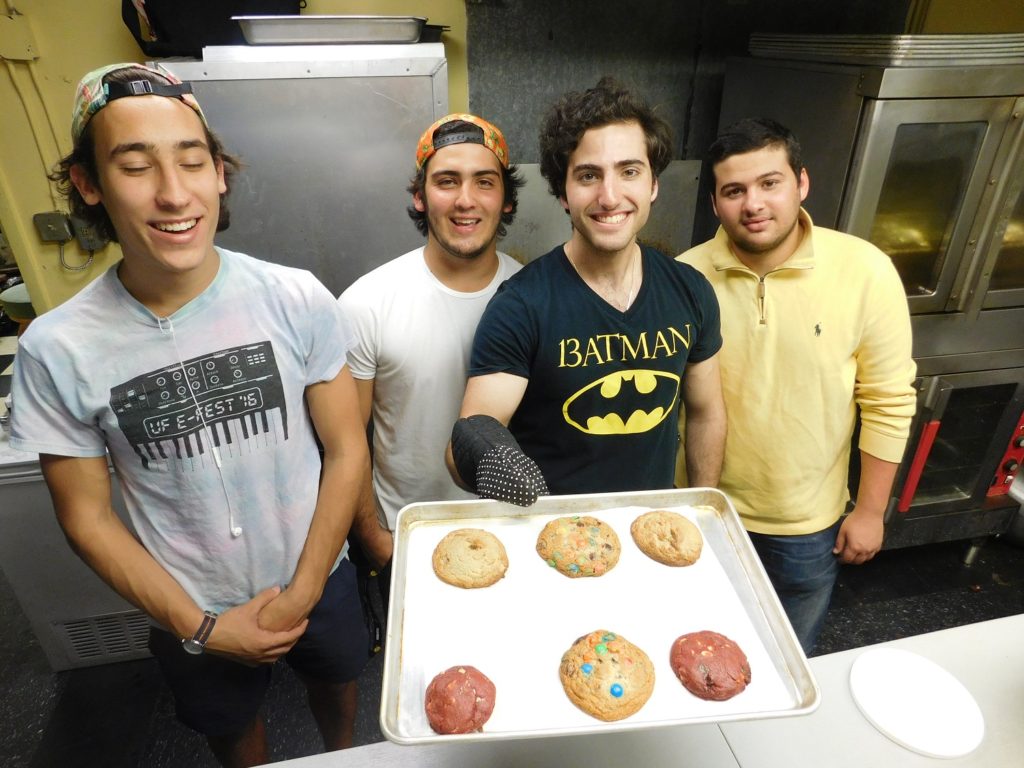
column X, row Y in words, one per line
column 450, row 13
column 934, row 17
column 70, row 37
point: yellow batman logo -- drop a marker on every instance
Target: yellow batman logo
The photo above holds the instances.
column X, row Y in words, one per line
column 607, row 407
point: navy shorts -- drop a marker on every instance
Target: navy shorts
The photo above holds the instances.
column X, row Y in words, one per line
column 219, row 697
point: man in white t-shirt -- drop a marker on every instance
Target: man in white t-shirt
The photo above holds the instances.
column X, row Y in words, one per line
column 415, row 316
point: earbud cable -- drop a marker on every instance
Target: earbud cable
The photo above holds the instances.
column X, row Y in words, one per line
column 233, row 527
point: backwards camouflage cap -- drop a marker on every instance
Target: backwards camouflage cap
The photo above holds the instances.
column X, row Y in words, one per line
column 93, row 94
column 484, row 133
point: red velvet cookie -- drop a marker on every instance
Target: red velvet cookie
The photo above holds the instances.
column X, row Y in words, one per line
column 459, row 700
column 710, row 665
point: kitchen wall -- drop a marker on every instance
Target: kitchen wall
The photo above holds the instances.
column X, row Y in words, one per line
column 45, row 51
column 936, row 17
column 45, row 48
column 449, row 13
column 523, row 54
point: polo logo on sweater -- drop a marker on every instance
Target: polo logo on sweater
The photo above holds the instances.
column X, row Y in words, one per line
column 817, row 329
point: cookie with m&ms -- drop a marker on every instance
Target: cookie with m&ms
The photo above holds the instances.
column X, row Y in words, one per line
column 606, row 676
column 579, row 546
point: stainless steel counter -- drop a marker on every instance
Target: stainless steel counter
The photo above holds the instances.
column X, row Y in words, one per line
column 988, row 658
column 695, row 746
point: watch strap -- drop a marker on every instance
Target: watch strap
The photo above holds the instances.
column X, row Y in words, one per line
column 202, row 634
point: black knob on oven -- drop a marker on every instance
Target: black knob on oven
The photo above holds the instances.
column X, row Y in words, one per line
column 1018, row 442
column 1011, row 465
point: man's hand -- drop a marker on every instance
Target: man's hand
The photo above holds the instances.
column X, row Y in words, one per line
column 285, row 611
column 491, row 463
column 238, row 632
column 860, row 537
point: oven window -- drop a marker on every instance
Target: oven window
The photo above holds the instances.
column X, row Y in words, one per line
column 1009, row 269
column 929, row 169
column 957, row 460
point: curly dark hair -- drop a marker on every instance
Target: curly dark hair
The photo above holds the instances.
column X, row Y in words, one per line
column 577, row 112
column 84, row 155
column 751, row 134
column 511, row 181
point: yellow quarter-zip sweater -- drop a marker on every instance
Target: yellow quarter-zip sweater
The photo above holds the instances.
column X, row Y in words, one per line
column 804, row 346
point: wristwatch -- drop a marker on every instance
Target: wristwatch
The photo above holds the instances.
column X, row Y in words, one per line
column 197, row 643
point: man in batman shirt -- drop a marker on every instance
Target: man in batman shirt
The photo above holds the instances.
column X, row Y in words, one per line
column 586, row 354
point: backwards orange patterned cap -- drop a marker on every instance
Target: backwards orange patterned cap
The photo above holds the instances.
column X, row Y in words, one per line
column 478, row 132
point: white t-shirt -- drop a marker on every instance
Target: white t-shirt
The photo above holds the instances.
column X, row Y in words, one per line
column 413, row 337
column 102, row 373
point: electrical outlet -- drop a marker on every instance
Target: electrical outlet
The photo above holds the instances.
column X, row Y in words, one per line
column 86, row 234
column 53, row 226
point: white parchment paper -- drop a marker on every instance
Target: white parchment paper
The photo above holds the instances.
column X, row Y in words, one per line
column 516, row 631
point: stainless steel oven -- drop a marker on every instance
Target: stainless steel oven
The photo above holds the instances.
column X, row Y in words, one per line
column 966, row 445
column 916, row 143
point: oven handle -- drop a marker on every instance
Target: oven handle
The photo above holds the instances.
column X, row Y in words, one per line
column 924, row 447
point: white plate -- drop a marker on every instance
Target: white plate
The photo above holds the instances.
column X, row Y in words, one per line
column 916, row 703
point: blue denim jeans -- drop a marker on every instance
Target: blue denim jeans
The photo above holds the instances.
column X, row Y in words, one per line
column 803, row 571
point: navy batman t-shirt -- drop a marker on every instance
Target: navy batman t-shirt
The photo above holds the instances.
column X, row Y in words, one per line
column 601, row 408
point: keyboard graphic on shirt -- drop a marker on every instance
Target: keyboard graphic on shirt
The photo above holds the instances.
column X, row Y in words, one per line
column 237, row 392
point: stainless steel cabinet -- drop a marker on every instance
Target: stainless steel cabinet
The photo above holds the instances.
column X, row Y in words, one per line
column 327, row 135
column 1003, row 264
column 78, row 620
column 918, row 185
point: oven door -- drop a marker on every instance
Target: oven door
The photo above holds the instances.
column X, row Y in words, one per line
column 966, row 446
column 919, row 179
column 1001, row 281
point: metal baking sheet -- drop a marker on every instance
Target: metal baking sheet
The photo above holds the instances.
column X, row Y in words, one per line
column 516, row 631
column 310, row 29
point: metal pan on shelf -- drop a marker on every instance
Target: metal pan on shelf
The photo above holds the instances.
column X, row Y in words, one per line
column 330, row 30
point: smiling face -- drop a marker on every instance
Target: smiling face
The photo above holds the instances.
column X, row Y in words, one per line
column 464, row 197
column 160, row 186
column 757, row 199
column 609, row 189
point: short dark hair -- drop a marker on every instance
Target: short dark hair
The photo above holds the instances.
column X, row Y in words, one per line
column 84, row 155
column 751, row 134
column 577, row 112
column 511, row 181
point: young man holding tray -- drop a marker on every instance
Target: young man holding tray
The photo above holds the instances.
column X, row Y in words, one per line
column 582, row 359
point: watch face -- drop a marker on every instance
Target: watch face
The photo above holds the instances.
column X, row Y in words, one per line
column 192, row 646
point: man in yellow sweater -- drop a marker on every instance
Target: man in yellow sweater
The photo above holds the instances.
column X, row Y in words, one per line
column 816, row 330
